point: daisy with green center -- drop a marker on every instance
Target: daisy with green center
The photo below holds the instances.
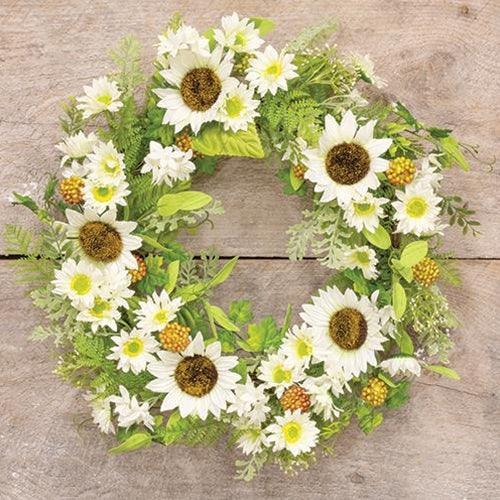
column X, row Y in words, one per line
column 79, row 282
column 102, row 95
column 183, row 38
column 101, row 239
column 168, row 164
column 348, row 328
column 401, row 364
column 129, row 410
column 199, row 84
column 295, row 432
column 100, row 195
column 345, row 163
column 365, row 212
column 278, row 373
column 251, row 402
column 157, row 311
column 133, row 350
column 299, row 345
column 77, row 147
column 417, row 210
column 363, row 258
column 251, row 438
column 238, row 108
column 106, row 163
column 197, row 381
column 239, row 35
column 270, row 71
column 103, row 314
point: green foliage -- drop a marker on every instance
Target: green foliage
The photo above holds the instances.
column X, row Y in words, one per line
column 240, row 312
column 263, row 336
column 156, row 275
column 135, row 442
column 127, row 58
column 170, row 204
column 398, row 396
column 444, row 371
column 71, row 121
column 313, row 36
column 368, row 418
column 283, row 175
column 246, row 470
column 459, row 213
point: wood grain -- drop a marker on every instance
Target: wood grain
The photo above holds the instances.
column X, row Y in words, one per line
column 437, row 57
column 442, row 444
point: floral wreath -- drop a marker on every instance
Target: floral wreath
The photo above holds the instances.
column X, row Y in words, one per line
column 131, row 309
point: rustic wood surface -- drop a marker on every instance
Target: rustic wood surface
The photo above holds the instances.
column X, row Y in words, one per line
column 440, row 58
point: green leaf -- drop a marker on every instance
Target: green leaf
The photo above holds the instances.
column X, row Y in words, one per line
column 413, row 253
column 169, row 204
column 213, row 140
column 368, row 419
column 264, row 25
column 262, row 336
column 240, row 312
column 134, row 442
column 221, row 318
column 405, row 342
column 398, row 300
column 192, row 292
column 241, row 369
column 405, row 272
column 206, row 164
column 380, row 238
column 287, row 320
column 227, row 340
column 398, row 395
column 223, row 273
column 444, row 371
column 156, row 275
column 172, row 274
column 452, row 149
column 295, row 182
column 385, row 378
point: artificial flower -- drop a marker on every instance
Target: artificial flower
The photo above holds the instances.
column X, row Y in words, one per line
column 100, row 195
column 299, row 345
column 115, row 285
column 106, row 163
column 251, row 402
column 101, row 412
column 401, row 364
column 364, row 258
column 320, row 390
column 251, row 438
column 102, row 95
column 239, row 35
column 364, row 212
column 157, row 311
column 278, row 372
column 77, row 146
column 104, row 313
column 129, row 410
column 238, row 109
column 364, row 65
column 183, row 38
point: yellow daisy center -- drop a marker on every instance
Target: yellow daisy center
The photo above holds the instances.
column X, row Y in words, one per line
column 196, row 375
column 364, row 209
column 348, row 328
column 240, row 39
column 200, row 88
column 234, row 106
column 103, row 193
column 100, row 308
column 100, row 241
column 347, row 163
column 292, row 432
column 362, row 257
column 416, row 207
column 105, row 99
column 161, row 316
column 303, row 347
column 274, row 70
column 81, row 284
column 110, row 164
column 133, row 347
column 281, row 374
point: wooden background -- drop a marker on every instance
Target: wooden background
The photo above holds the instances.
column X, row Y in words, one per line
column 441, row 59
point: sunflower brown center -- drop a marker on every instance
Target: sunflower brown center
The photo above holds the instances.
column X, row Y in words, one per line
column 200, row 88
column 347, row 163
column 348, row 328
column 100, row 241
column 196, row 375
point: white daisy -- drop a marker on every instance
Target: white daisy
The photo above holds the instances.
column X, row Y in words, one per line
column 157, row 311
column 299, row 345
column 401, row 364
column 320, row 390
column 101, row 239
column 168, row 164
column 252, row 439
column 295, row 432
column 364, row 258
column 429, row 173
column 198, row 381
column 200, row 84
column 294, row 151
column 184, row 38
column 270, row 71
column 133, row 350
column 238, row 108
column 278, row 373
column 100, row 195
column 240, row 35
column 345, row 164
column 102, row 95
column 364, row 65
column 388, row 321
column 115, row 285
column 101, row 412
column 106, row 163
column 104, row 313
column 251, row 402
column 365, row 212
column 79, row 282
column 76, row 169
column 129, row 410
column 417, row 210
column 348, row 328
column 77, row 147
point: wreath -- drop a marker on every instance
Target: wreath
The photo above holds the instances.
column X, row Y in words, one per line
column 131, row 310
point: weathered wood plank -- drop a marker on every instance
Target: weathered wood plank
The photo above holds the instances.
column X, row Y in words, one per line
column 440, row 445
column 436, row 55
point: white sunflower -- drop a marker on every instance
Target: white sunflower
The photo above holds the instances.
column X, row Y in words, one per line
column 157, row 311
column 199, row 85
column 183, row 38
column 295, row 432
column 130, row 411
column 101, row 239
column 106, row 163
column 364, row 212
column 348, row 328
column 77, row 146
column 168, row 164
column 101, row 412
column 299, row 345
column 104, row 314
column 238, row 108
column 270, row 71
column 401, row 364
column 278, row 373
column 251, row 402
column 239, row 35
column 99, row 195
column 364, row 258
column 79, row 282
column 345, row 164
column 417, row 210
column 252, row 438
column 133, row 350
column 102, row 95
column 198, row 380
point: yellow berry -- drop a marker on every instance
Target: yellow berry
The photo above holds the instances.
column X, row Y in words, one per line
column 71, row 190
column 426, row 272
column 401, row 171
column 185, row 143
column 375, row 392
column 175, row 337
column 141, row 271
column 299, row 171
column 295, row 398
